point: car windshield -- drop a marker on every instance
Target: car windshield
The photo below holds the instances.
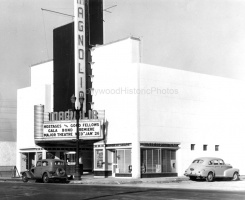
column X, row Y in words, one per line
column 198, row 161
column 58, row 163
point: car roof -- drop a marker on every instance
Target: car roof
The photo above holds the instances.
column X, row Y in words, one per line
column 208, row 158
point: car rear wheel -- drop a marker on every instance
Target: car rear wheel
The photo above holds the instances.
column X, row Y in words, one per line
column 210, row 177
column 45, row 178
column 235, row 177
column 24, row 178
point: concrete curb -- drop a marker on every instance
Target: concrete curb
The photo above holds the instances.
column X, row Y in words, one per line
column 117, row 181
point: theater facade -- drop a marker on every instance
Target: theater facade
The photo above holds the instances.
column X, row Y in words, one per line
column 138, row 120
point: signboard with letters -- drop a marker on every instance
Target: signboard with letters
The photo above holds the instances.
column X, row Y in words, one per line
column 65, row 130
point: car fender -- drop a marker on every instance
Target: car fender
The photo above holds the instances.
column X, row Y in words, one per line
column 49, row 175
column 28, row 174
column 230, row 172
column 207, row 170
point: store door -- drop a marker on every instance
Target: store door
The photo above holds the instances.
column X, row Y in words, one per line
column 27, row 161
column 114, row 162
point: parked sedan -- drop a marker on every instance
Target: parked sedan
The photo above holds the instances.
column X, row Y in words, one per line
column 46, row 170
column 209, row 168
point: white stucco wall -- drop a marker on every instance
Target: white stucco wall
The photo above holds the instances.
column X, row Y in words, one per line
column 114, row 77
column 42, row 73
column 40, row 92
column 169, row 105
column 202, row 109
column 115, row 86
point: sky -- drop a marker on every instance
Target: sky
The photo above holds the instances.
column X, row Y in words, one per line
column 203, row 36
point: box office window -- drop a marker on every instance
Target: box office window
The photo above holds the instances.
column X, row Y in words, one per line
column 158, row 160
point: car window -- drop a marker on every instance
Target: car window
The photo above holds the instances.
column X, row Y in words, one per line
column 58, row 163
column 38, row 164
column 221, row 162
column 216, row 162
column 45, row 163
column 198, row 161
column 211, row 162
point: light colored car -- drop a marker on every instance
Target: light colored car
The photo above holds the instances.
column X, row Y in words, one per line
column 209, row 168
column 46, row 170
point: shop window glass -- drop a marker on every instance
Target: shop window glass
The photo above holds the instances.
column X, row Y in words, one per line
column 149, row 168
column 150, row 161
column 123, row 157
column 168, row 161
column 109, row 154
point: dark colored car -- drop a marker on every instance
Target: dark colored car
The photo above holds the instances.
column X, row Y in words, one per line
column 210, row 168
column 46, row 170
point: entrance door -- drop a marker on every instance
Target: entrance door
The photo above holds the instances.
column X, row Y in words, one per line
column 114, row 162
column 27, row 161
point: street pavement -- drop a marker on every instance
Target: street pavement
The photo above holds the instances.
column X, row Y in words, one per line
column 180, row 182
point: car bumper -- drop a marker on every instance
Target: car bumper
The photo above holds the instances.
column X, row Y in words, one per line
column 195, row 174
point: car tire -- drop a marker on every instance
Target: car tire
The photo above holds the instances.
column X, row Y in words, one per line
column 45, row 178
column 24, row 178
column 193, row 178
column 210, row 177
column 235, row 177
column 60, row 172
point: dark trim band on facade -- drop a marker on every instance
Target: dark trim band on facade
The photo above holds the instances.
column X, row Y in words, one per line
column 153, row 175
column 103, row 173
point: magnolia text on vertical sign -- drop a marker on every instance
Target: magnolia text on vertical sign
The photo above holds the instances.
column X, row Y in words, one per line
column 80, row 46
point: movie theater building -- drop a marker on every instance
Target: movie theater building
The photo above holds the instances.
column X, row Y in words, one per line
column 139, row 120
column 157, row 119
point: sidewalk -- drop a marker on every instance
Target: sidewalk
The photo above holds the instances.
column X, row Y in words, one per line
column 90, row 179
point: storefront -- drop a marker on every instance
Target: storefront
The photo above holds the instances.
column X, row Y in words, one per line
column 157, row 160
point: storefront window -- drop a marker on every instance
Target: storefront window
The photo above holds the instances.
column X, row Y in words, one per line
column 158, row 161
column 123, row 158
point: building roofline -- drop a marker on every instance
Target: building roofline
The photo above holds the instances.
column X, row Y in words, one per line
column 119, row 40
column 41, row 62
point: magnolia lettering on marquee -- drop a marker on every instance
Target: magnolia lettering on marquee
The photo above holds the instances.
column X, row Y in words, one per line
column 71, row 115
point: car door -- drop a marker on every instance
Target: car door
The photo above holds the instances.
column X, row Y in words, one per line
column 37, row 169
column 223, row 167
column 217, row 168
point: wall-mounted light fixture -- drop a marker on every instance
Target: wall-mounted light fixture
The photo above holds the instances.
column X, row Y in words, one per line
column 91, row 91
column 91, row 78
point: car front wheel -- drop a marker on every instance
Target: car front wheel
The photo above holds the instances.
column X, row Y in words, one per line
column 24, row 178
column 235, row 177
column 210, row 177
column 45, row 178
